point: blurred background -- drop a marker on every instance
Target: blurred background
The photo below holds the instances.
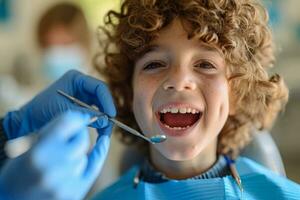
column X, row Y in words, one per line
column 35, row 35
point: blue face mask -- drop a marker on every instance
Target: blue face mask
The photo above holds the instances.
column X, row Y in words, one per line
column 59, row 59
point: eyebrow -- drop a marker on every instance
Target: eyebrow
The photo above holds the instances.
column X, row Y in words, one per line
column 209, row 48
column 155, row 47
column 149, row 49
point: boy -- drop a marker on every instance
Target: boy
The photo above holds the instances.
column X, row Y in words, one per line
column 196, row 72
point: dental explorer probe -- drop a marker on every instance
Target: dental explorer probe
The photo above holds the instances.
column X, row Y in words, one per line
column 154, row 139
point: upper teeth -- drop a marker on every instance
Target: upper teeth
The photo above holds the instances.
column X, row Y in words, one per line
column 180, row 110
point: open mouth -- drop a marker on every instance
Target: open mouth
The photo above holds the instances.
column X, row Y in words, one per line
column 179, row 118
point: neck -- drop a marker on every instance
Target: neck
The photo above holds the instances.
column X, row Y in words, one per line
column 187, row 168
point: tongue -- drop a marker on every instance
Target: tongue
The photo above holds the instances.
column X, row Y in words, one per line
column 179, row 119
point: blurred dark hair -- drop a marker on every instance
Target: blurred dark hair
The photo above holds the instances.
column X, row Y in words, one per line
column 67, row 15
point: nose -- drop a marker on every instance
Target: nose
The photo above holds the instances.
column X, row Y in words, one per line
column 179, row 80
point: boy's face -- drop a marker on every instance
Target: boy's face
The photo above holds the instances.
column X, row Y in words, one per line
column 181, row 90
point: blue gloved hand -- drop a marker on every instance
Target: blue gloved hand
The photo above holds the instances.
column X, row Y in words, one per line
column 49, row 103
column 58, row 165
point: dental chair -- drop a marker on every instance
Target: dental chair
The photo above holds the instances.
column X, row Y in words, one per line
column 264, row 151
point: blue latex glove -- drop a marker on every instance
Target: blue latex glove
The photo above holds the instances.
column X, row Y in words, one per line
column 58, row 165
column 49, row 103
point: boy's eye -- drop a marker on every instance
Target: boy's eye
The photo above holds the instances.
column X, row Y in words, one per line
column 205, row 65
column 153, row 65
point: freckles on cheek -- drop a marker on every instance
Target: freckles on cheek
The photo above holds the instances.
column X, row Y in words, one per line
column 222, row 90
column 139, row 91
column 141, row 105
column 220, row 87
column 218, row 95
column 145, row 88
column 139, row 96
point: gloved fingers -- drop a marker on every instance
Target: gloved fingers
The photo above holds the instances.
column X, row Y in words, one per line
column 77, row 146
column 102, row 120
column 98, row 154
column 59, row 174
column 100, row 123
column 66, row 81
column 66, row 105
column 107, row 130
column 69, row 184
column 89, row 90
column 61, row 153
column 79, row 167
column 97, row 91
column 67, row 189
column 56, row 136
column 105, row 101
column 64, row 127
column 95, row 162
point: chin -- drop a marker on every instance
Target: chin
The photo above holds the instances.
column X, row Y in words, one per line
column 180, row 153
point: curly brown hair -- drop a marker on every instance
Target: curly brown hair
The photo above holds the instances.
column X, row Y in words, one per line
column 238, row 27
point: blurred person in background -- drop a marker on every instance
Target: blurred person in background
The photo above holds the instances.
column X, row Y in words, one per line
column 63, row 37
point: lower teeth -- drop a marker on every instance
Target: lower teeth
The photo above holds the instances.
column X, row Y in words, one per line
column 176, row 128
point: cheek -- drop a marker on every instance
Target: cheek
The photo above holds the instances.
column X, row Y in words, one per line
column 138, row 96
column 143, row 92
column 217, row 98
column 144, row 88
column 218, row 90
column 223, row 91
